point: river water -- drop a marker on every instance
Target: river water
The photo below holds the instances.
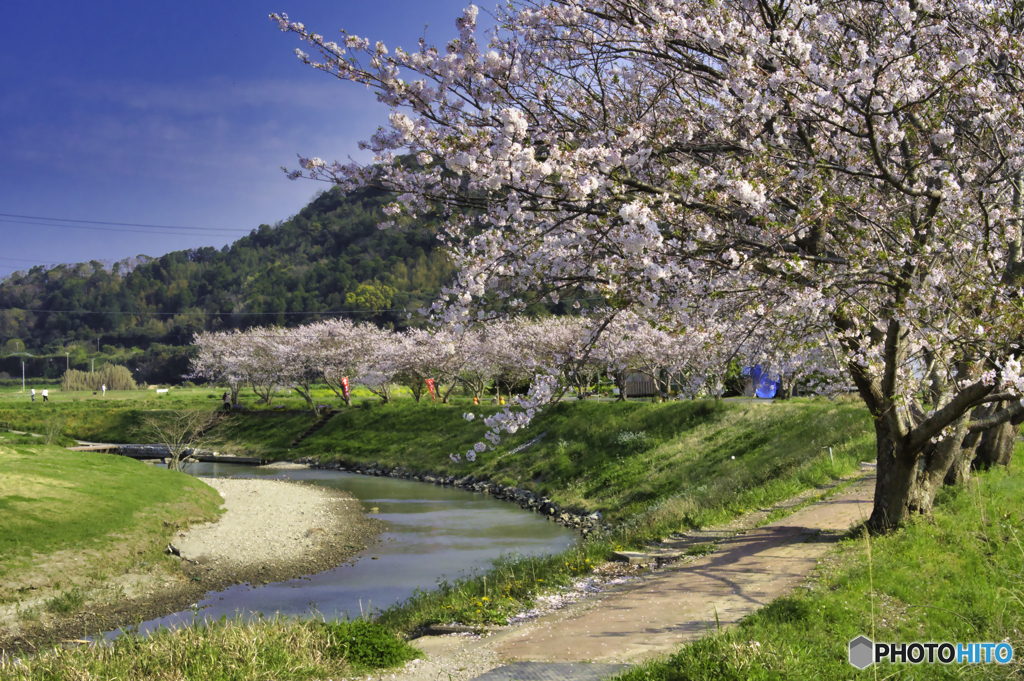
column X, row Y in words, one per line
column 434, row 533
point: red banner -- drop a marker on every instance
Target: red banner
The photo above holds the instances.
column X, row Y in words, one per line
column 430, row 387
column 344, row 386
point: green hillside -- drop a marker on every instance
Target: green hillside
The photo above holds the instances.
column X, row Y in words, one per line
column 330, row 257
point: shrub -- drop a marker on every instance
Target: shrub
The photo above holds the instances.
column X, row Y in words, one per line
column 114, row 376
column 366, row 644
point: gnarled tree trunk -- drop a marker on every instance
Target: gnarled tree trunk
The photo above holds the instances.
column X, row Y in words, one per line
column 995, row 447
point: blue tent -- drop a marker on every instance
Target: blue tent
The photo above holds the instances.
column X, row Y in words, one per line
column 764, row 387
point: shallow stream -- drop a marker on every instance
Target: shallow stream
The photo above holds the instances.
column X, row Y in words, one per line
column 434, row 533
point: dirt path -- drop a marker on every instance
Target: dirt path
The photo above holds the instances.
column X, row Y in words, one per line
column 655, row 614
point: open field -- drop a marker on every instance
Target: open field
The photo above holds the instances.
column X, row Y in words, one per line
column 117, row 416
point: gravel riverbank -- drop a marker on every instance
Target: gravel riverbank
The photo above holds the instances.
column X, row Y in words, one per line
column 273, row 530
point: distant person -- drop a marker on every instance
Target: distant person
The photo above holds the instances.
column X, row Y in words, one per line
column 32, row 393
column 227, row 401
column 46, row 395
column 103, row 389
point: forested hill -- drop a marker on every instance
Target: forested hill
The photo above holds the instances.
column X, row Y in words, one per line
column 329, row 257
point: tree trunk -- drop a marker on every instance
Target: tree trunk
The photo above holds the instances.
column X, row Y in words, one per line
column 987, row 448
column 620, row 383
column 304, row 390
column 996, row 446
column 448, row 392
column 908, row 481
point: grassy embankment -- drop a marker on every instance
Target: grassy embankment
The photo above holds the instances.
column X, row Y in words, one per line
column 705, row 461
column 70, row 523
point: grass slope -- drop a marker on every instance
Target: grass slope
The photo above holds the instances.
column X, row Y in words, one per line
column 52, row 499
column 708, row 459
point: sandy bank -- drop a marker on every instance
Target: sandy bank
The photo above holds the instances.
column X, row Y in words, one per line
column 274, row 530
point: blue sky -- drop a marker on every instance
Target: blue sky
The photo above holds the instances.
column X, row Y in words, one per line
column 174, row 113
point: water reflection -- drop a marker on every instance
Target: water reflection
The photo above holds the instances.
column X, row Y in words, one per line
column 434, row 533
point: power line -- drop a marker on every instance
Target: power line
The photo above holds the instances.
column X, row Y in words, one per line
column 116, row 224
column 38, row 262
column 217, row 314
column 199, row 314
column 130, row 231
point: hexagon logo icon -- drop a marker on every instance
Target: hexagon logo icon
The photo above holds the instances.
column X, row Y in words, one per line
column 861, row 652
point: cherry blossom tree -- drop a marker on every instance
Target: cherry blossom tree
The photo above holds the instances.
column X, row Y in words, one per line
column 480, row 349
column 510, row 352
column 262, row 361
column 380, row 366
column 848, row 172
column 300, row 359
column 438, row 354
column 343, row 346
column 253, row 357
column 218, row 359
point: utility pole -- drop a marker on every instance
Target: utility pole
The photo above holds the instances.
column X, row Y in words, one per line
column 92, row 365
column 22, row 375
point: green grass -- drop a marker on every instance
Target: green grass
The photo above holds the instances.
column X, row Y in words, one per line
column 52, row 499
column 67, row 601
column 117, row 416
column 956, row 578
column 677, row 464
column 267, row 434
column 226, row 650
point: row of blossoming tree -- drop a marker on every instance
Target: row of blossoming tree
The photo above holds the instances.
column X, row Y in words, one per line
column 579, row 351
column 844, row 171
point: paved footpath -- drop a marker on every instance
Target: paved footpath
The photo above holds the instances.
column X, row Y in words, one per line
column 678, row 604
column 654, row 614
